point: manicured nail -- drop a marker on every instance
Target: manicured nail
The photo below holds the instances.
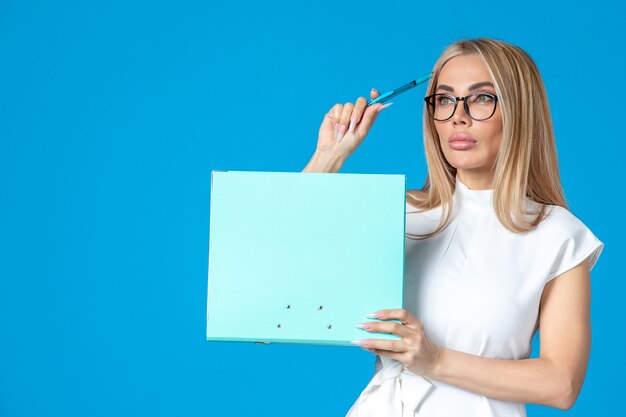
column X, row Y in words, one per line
column 352, row 123
column 384, row 106
column 373, row 316
column 361, row 326
column 342, row 131
column 356, row 342
column 374, row 90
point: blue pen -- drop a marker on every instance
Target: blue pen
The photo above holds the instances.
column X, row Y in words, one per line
column 383, row 98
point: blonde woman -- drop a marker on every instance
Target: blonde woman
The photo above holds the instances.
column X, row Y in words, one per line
column 492, row 252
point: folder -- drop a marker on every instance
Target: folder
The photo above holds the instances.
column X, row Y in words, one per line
column 303, row 257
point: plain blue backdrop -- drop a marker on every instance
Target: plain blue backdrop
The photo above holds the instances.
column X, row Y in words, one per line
column 113, row 114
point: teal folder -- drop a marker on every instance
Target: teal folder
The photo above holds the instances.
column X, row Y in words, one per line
column 303, row 257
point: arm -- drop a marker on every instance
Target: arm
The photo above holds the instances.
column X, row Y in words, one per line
column 556, row 377
column 324, row 162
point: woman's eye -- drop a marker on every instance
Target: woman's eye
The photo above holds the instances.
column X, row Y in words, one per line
column 484, row 98
column 444, row 101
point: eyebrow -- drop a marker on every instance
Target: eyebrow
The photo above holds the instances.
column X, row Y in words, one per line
column 471, row 87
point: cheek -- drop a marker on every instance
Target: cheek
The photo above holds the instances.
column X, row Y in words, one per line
column 494, row 137
column 495, row 142
column 439, row 129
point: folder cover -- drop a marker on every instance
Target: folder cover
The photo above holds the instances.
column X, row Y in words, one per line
column 303, row 257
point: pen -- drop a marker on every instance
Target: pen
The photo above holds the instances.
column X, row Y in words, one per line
column 383, row 98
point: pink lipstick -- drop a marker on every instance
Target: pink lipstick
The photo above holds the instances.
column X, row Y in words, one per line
column 461, row 141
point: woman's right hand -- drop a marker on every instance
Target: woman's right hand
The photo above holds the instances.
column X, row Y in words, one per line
column 345, row 126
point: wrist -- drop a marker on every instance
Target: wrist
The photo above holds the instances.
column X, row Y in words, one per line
column 439, row 363
column 323, row 161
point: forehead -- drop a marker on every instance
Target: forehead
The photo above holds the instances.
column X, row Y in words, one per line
column 464, row 70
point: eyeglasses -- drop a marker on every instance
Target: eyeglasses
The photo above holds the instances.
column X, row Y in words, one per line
column 478, row 106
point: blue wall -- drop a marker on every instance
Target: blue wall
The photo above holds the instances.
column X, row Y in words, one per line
column 113, row 114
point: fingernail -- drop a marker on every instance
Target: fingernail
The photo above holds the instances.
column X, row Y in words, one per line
column 352, row 123
column 361, row 326
column 375, row 90
column 373, row 316
column 356, row 342
column 342, row 130
column 384, row 106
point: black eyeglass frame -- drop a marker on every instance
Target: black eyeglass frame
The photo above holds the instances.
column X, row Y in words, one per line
column 456, row 102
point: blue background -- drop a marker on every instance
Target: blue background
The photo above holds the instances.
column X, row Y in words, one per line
column 113, row 114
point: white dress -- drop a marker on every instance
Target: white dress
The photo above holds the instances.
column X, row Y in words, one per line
column 476, row 286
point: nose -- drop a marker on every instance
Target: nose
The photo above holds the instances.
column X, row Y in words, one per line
column 460, row 116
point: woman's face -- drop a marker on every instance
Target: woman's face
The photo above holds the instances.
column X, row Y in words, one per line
column 477, row 142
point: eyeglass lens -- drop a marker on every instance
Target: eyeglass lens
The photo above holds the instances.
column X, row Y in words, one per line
column 480, row 106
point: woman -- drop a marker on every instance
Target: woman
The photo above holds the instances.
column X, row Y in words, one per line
column 492, row 253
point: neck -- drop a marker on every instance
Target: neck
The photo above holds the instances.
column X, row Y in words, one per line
column 475, row 179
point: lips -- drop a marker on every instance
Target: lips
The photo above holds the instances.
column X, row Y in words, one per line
column 461, row 141
column 461, row 137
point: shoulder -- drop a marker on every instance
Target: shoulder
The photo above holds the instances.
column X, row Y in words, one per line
column 559, row 222
column 567, row 239
column 560, row 218
column 414, row 212
column 420, row 221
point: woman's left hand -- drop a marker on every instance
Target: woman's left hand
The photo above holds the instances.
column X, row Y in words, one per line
column 414, row 350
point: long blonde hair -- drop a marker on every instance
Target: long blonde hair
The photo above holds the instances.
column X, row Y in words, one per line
column 526, row 164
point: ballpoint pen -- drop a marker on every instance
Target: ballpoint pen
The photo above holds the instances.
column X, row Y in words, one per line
column 383, row 98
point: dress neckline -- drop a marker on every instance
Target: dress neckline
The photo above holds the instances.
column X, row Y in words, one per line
column 480, row 199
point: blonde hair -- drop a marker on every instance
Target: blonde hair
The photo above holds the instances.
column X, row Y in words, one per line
column 526, row 164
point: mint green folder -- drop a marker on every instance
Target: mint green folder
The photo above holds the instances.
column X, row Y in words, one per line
column 303, row 257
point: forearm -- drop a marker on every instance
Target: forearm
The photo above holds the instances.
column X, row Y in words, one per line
column 536, row 381
column 324, row 162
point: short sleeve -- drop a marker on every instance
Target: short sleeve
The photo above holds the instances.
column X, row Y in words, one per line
column 576, row 244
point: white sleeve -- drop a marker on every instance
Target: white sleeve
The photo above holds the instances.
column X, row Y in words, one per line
column 578, row 244
column 377, row 365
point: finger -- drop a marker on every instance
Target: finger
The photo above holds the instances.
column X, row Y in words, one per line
column 331, row 118
column 392, row 355
column 389, row 327
column 398, row 314
column 335, row 112
column 381, row 344
column 346, row 113
column 344, row 120
column 374, row 93
column 357, row 113
column 369, row 117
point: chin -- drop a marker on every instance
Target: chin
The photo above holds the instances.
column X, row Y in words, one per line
column 466, row 162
